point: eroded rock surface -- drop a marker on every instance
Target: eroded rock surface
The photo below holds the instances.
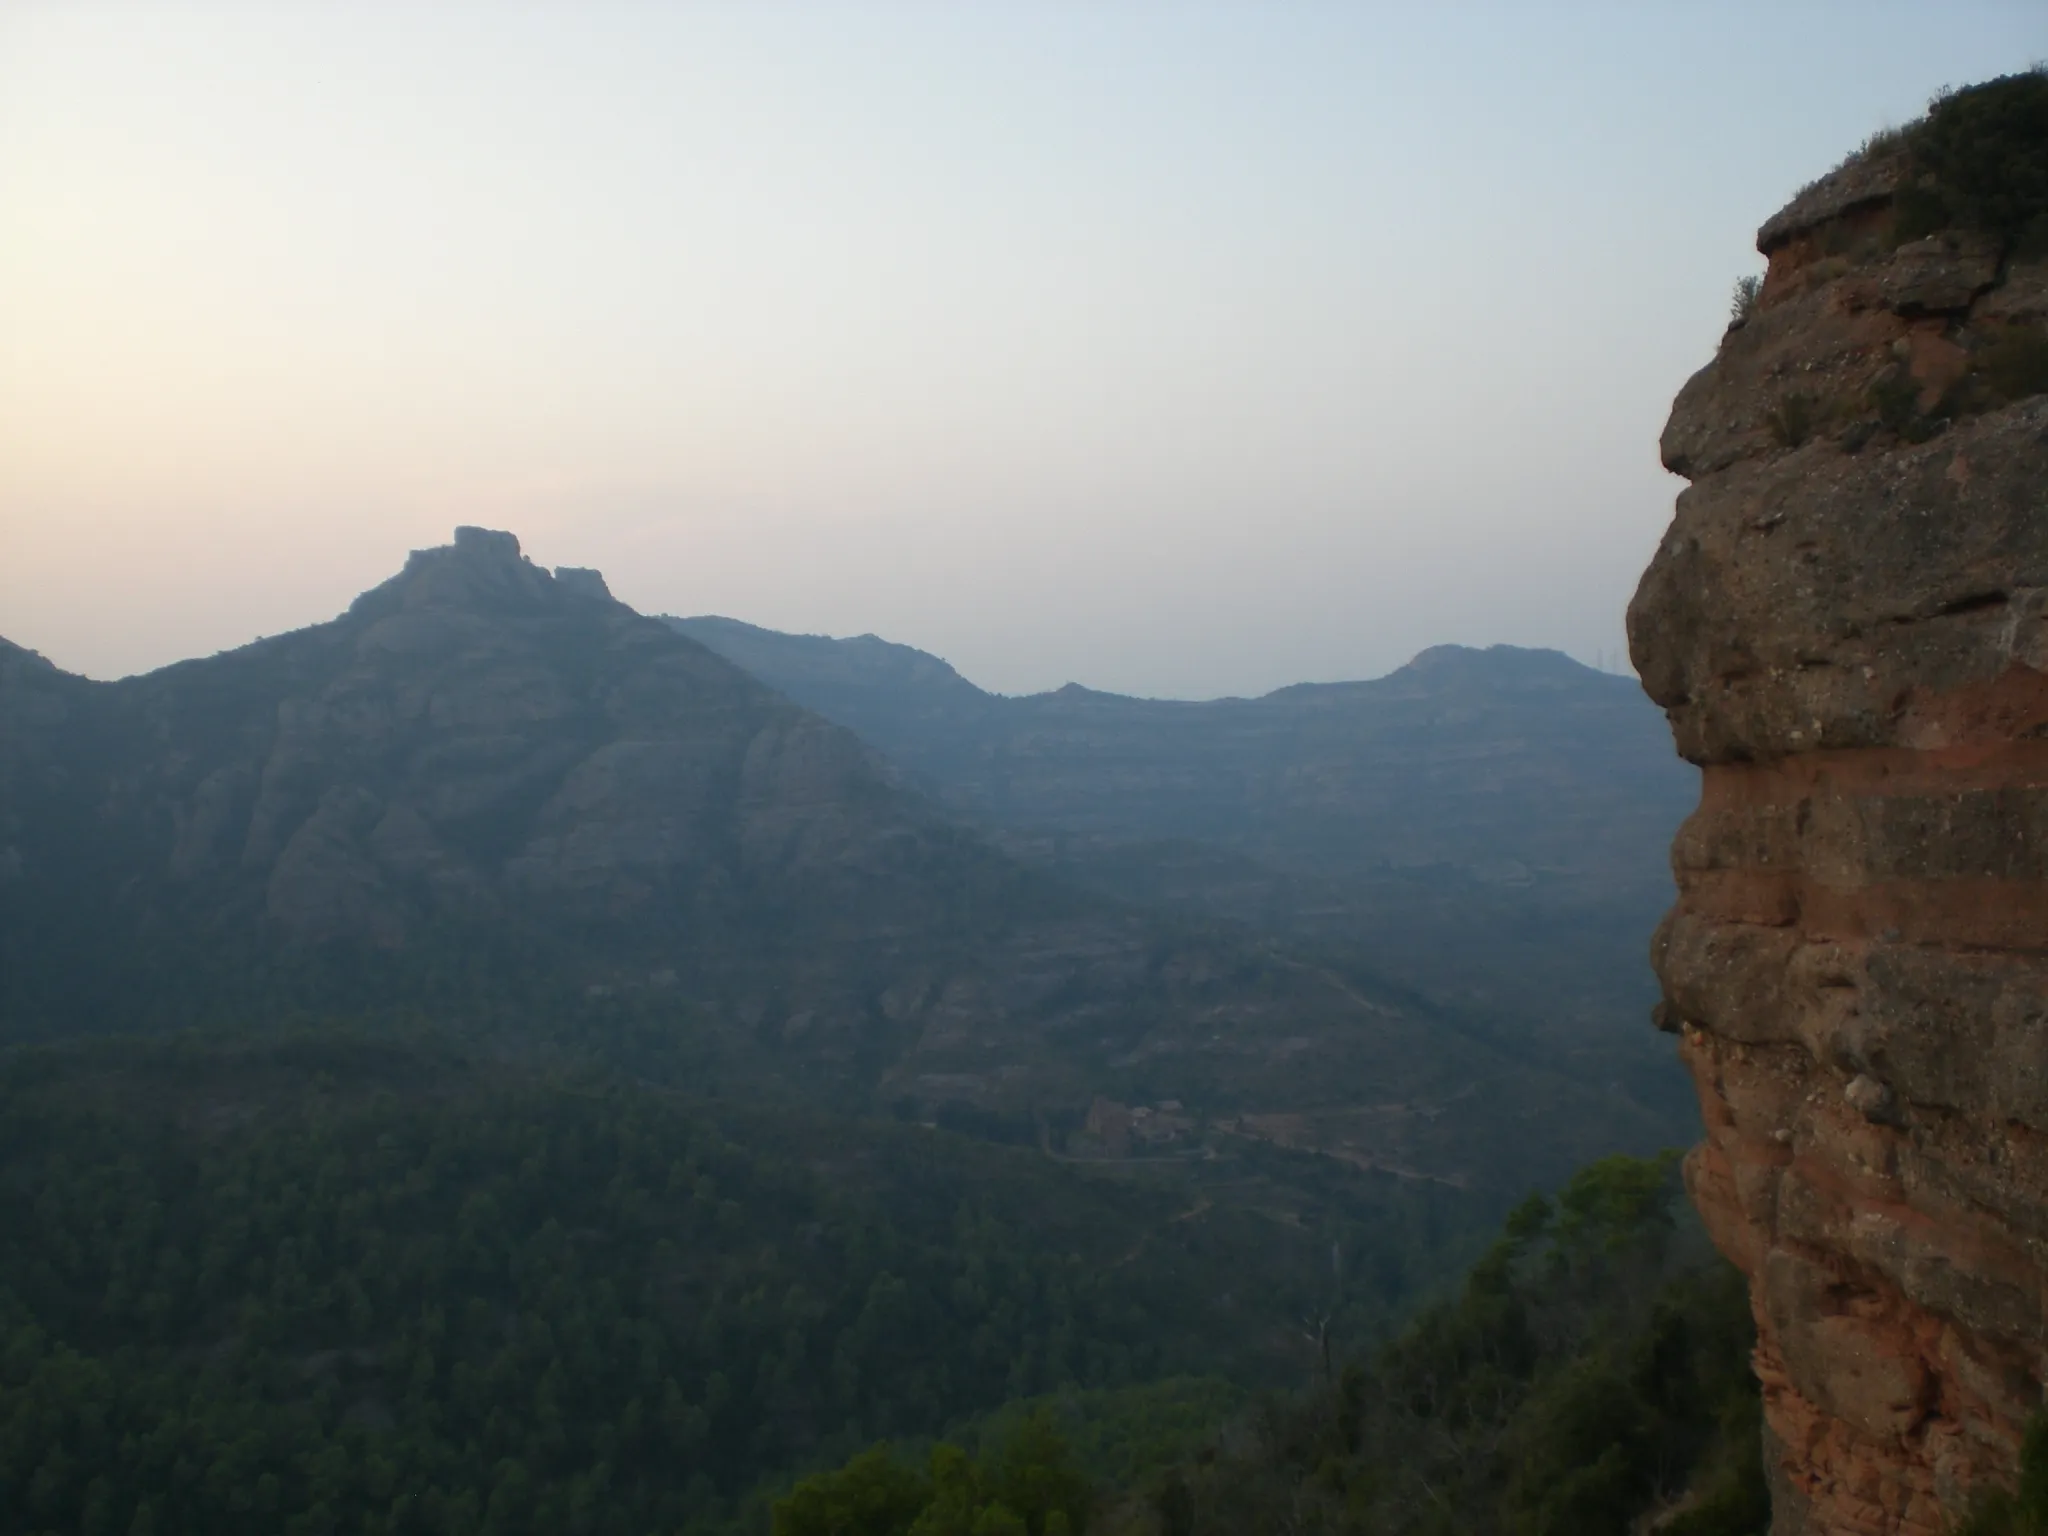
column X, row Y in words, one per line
column 1845, row 623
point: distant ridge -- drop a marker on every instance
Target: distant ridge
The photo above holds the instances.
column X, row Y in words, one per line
column 1488, row 826
column 1463, row 757
column 869, row 660
column 492, row 795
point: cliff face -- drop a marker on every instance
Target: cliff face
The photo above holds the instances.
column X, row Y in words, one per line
column 1847, row 623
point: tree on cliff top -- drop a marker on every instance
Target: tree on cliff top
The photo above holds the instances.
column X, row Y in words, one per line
column 1981, row 155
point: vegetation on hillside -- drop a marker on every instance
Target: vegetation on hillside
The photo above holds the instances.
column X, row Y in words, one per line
column 1028, row 1485
column 1973, row 171
column 1594, row 1370
column 314, row 1284
column 1980, row 158
column 337, row 1284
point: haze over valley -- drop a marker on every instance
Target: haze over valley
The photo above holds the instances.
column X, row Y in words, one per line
column 887, row 770
column 487, row 769
column 1305, row 991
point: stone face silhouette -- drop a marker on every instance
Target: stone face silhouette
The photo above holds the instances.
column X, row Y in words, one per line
column 1845, row 623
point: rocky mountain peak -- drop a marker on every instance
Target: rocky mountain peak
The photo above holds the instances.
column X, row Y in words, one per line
column 581, row 581
column 486, row 543
column 482, row 572
column 19, row 659
column 1496, row 666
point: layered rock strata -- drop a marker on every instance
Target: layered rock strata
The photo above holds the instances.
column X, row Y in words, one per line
column 1847, row 623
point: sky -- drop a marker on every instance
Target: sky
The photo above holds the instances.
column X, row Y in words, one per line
column 1173, row 349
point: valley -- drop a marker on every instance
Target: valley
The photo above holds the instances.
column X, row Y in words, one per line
column 495, row 793
column 523, row 1049
column 492, row 850
column 1482, row 831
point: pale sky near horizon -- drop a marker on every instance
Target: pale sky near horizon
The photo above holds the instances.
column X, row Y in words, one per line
column 1173, row 349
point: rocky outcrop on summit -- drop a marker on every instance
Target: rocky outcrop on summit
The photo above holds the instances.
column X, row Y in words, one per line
column 1847, row 623
column 472, row 734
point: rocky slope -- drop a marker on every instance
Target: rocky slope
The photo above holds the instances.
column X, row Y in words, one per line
column 494, row 793
column 1847, row 623
column 1485, row 827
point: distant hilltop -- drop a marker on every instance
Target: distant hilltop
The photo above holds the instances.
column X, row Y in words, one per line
column 1474, row 758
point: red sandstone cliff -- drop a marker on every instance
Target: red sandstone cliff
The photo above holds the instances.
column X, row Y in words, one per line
column 1847, row 622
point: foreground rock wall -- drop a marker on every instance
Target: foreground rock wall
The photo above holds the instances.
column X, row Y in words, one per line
column 1845, row 622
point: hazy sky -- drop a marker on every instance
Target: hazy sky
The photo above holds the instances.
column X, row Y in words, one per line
column 1169, row 348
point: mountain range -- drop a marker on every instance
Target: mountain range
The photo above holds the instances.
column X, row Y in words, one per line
column 495, row 1029
column 1511, row 766
column 492, row 793
column 1485, row 828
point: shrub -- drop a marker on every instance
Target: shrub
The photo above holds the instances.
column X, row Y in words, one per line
column 1743, row 304
column 1981, row 155
column 2016, row 364
column 1027, row 1486
column 872, row 1495
column 1736, row 1502
column 1895, row 397
column 1791, row 420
